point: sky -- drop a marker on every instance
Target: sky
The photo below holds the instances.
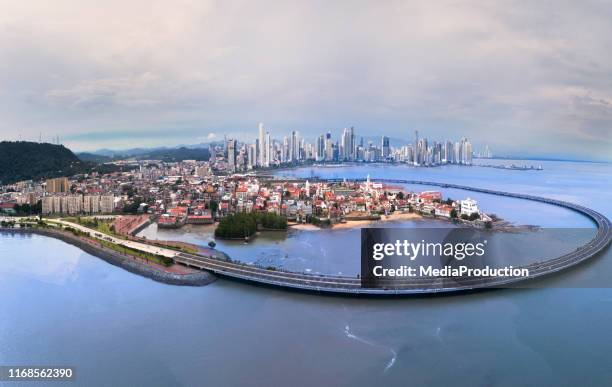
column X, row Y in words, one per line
column 525, row 78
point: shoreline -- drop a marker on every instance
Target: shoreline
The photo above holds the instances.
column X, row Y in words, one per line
column 395, row 217
column 352, row 286
column 196, row 278
column 350, row 224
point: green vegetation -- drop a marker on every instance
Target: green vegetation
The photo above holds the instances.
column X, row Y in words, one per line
column 6, row 224
column 159, row 259
column 28, row 209
column 23, row 160
column 104, row 226
column 239, row 225
column 132, row 208
column 178, row 154
column 164, row 154
column 244, row 225
column 271, row 221
column 85, row 156
column 213, row 206
column 76, row 232
column 177, row 246
column 474, row 216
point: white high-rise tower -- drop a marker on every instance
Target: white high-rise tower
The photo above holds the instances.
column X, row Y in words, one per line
column 262, row 146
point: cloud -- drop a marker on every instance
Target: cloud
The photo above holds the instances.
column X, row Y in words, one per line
column 508, row 75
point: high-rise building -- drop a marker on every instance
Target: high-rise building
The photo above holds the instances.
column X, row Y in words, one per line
column 294, row 147
column 47, row 205
column 320, row 156
column 285, row 150
column 74, row 204
column 107, row 204
column 251, row 160
column 95, row 204
column 262, row 145
column 347, row 144
column 385, row 147
column 231, row 155
column 329, row 147
column 268, row 149
column 265, row 151
column 467, row 153
column 58, row 185
column 448, row 152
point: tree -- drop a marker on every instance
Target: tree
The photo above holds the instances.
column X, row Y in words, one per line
column 242, row 225
column 213, row 205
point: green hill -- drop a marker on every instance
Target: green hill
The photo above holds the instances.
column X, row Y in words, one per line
column 86, row 156
column 177, row 154
column 163, row 154
column 22, row 160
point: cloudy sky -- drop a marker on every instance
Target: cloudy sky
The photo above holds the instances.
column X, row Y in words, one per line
column 528, row 78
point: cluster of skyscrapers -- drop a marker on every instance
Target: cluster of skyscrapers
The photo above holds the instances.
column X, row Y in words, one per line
column 267, row 152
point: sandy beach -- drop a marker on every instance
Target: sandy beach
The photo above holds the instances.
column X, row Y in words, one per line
column 358, row 223
column 304, row 227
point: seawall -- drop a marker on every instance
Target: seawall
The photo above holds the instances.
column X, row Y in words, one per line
column 196, row 279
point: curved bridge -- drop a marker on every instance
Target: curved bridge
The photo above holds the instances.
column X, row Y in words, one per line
column 421, row 285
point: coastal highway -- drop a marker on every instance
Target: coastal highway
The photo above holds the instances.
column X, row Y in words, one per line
column 421, row 285
column 118, row 241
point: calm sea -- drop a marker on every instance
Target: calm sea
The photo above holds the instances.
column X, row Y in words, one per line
column 61, row 306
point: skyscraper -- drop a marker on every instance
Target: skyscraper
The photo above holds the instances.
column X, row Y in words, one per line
column 251, row 156
column 329, row 147
column 268, row 150
column 231, row 155
column 347, row 144
column 320, row 156
column 285, row 150
column 385, row 147
column 294, row 146
column 262, row 145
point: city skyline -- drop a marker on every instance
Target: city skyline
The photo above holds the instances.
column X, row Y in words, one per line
column 267, row 151
column 526, row 80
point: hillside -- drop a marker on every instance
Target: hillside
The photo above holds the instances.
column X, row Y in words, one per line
column 178, row 154
column 198, row 152
column 22, row 160
column 85, row 156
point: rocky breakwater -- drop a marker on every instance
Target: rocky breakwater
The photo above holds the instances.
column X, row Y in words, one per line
column 186, row 277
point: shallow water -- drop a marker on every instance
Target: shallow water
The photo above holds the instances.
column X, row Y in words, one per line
column 63, row 306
